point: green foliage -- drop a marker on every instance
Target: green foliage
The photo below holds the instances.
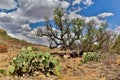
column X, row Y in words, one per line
column 35, row 48
column 116, row 46
column 3, row 71
column 66, row 33
column 48, row 63
column 29, row 61
column 2, row 32
column 57, row 71
column 94, row 47
column 90, row 56
column 75, row 33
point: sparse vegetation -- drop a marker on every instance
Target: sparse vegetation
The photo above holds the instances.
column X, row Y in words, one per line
column 115, row 47
column 66, row 33
column 3, row 32
column 30, row 62
column 76, row 34
column 96, row 46
column 90, row 56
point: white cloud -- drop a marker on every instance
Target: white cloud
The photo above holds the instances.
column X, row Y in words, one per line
column 64, row 4
column 30, row 36
column 38, row 9
column 26, row 27
column 117, row 30
column 17, row 23
column 7, row 4
column 88, row 2
column 2, row 14
column 76, row 2
column 72, row 15
column 105, row 14
column 96, row 19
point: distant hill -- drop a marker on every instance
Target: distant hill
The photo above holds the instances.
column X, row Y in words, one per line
column 14, row 43
column 13, row 47
column 10, row 41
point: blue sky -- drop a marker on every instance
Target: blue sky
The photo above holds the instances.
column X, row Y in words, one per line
column 99, row 6
column 21, row 18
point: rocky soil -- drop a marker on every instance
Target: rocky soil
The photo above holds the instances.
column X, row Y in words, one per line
column 72, row 69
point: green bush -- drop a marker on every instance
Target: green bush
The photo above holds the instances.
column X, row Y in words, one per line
column 29, row 61
column 90, row 56
column 115, row 48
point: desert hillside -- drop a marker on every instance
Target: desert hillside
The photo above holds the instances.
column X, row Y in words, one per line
column 71, row 66
column 13, row 46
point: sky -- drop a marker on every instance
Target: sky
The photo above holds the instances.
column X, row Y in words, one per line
column 22, row 18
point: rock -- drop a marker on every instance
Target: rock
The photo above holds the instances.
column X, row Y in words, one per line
column 66, row 56
column 118, row 61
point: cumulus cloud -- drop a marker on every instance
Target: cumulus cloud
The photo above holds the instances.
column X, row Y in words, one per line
column 7, row 4
column 76, row 2
column 96, row 19
column 88, row 2
column 105, row 14
column 17, row 23
column 30, row 36
column 2, row 14
column 75, row 6
column 117, row 30
column 64, row 4
column 26, row 27
column 38, row 9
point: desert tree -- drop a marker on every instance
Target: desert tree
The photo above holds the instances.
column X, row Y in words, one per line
column 105, row 37
column 75, row 34
column 64, row 32
column 115, row 47
column 95, row 37
column 88, row 37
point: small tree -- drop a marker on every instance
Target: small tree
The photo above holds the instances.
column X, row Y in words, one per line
column 88, row 37
column 95, row 38
column 64, row 33
column 105, row 37
column 74, row 33
column 116, row 45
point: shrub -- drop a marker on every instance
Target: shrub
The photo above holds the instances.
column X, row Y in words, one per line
column 94, row 47
column 90, row 56
column 3, row 32
column 115, row 47
column 29, row 61
column 35, row 48
column 3, row 48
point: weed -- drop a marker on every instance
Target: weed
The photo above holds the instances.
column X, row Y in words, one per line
column 90, row 56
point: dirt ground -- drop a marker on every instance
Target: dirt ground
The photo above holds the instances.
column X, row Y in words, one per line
column 72, row 69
